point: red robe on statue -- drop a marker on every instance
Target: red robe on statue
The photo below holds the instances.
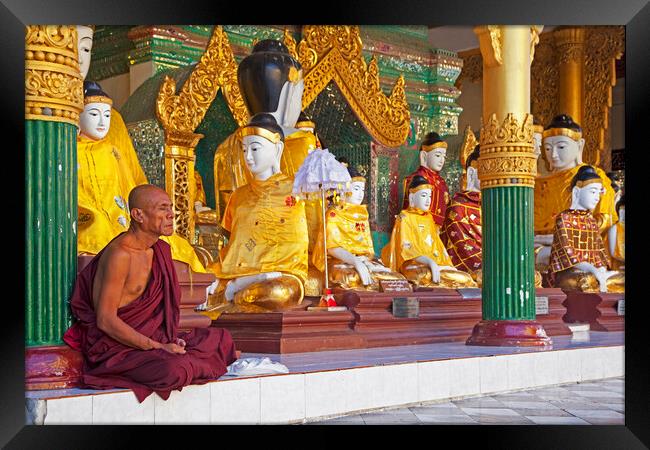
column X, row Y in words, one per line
column 462, row 233
column 439, row 193
column 155, row 314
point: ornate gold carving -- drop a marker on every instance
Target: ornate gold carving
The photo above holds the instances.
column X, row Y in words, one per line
column 180, row 186
column 535, row 30
column 507, row 155
column 53, row 83
column 217, row 68
column 181, row 114
column 544, row 81
column 467, row 147
column 472, row 67
column 290, row 42
column 603, row 46
column 497, row 42
column 334, row 53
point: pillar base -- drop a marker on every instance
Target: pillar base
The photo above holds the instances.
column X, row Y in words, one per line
column 509, row 333
column 52, row 367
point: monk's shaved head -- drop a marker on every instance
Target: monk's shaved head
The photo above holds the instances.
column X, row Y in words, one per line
column 141, row 196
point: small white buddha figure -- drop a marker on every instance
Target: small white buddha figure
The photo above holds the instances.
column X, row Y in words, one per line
column 351, row 255
column 415, row 248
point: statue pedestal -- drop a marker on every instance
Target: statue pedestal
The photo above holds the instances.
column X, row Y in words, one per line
column 553, row 322
column 193, row 286
column 52, row 367
column 291, row 331
column 598, row 309
column 444, row 316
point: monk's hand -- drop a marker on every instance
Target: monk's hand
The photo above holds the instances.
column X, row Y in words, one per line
column 170, row 347
column 435, row 272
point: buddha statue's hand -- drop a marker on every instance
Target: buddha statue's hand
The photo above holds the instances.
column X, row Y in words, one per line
column 198, row 207
column 447, row 268
column 543, row 239
column 374, row 267
column 363, row 271
column 435, row 272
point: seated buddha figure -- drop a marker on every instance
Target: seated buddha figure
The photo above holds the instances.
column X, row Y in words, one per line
column 106, row 175
column 271, row 81
column 351, row 261
column 616, row 238
column 433, row 153
column 578, row 259
column 415, row 248
column 264, row 265
column 562, row 150
column 462, row 231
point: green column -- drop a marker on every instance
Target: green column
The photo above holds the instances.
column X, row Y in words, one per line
column 508, row 258
column 50, row 236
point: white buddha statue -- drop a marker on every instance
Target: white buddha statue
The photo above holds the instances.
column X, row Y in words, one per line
column 351, row 263
column 562, row 149
column 578, row 259
column 264, row 265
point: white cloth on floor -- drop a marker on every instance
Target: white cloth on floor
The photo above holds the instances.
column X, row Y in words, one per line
column 255, row 366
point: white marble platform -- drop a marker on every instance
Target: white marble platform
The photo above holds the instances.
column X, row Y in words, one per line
column 330, row 384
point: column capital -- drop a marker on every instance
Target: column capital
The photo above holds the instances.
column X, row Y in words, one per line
column 53, row 82
column 507, row 154
column 570, row 43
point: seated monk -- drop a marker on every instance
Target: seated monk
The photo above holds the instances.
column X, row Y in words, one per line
column 351, row 261
column 578, row 258
column 415, row 248
column 106, row 175
column 264, row 265
column 126, row 302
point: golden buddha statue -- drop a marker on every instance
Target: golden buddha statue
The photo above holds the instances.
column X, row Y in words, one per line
column 562, row 150
column 263, row 267
column 106, row 174
column 416, row 250
column 578, row 259
column 351, row 261
column 271, row 81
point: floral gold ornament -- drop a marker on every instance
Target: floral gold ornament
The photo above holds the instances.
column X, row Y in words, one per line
column 180, row 114
column 329, row 53
column 507, row 155
column 53, row 83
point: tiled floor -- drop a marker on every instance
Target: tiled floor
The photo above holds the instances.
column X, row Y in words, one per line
column 597, row 403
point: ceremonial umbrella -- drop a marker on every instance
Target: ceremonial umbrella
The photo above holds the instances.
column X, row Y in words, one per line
column 321, row 172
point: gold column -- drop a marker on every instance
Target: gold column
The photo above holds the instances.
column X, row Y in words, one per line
column 180, row 183
column 507, row 168
column 507, row 156
column 570, row 44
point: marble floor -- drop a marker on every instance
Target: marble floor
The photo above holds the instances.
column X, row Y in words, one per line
column 598, row 402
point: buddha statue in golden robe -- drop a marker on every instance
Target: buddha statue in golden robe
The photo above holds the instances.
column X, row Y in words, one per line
column 263, row 267
column 578, row 259
column 415, row 248
column 351, row 260
column 106, row 173
column 271, row 81
column 562, row 150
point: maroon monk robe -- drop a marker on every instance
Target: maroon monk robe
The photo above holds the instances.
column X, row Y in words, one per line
column 155, row 314
column 439, row 193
